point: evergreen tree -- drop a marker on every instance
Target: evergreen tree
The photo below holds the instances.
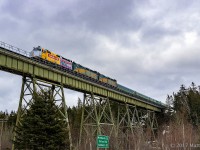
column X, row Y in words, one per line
column 169, row 111
column 42, row 128
column 194, row 104
column 2, row 115
column 186, row 103
column 12, row 119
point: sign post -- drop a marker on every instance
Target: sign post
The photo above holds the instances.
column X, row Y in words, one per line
column 102, row 141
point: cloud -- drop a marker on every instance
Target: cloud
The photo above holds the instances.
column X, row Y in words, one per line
column 9, row 91
column 150, row 46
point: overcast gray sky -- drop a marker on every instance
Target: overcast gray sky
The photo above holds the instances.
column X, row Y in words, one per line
column 150, row 46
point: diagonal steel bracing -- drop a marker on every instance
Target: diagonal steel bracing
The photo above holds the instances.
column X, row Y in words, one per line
column 131, row 125
column 134, row 125
column 32, row 85
column 128, row 125
column 97, row 119
column 152, row 124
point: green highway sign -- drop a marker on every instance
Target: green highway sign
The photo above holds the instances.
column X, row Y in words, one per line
column 102, row 141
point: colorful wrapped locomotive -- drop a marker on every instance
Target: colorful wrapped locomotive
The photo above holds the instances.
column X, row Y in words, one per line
column 41, row 53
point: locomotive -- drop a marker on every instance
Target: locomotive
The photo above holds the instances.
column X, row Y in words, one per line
column 41, row 53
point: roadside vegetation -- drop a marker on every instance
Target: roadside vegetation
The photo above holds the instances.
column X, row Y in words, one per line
column 41, row 128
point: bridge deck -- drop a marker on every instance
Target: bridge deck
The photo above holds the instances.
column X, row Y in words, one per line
column 24, row 66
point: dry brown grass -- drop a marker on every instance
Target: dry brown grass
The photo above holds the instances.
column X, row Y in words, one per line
column 179, row 136
column 174, row 136
column 6, row 143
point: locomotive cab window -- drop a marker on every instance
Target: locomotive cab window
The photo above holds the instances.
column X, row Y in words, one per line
column 36, row 52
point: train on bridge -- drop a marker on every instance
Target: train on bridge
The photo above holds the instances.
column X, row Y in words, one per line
column 40, row 53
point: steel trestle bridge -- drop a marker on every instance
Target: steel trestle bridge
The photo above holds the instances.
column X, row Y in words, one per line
column 39, row 74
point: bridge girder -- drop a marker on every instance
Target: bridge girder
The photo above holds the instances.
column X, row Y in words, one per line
column 24, row 66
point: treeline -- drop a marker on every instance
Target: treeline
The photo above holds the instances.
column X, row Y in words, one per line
column 179, row 124
column 73, row 112
column 9, row 118
column 184, row 105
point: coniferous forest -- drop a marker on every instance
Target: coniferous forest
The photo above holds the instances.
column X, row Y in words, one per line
column 41, row 127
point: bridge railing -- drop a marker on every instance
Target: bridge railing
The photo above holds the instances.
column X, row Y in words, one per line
column 14, row 49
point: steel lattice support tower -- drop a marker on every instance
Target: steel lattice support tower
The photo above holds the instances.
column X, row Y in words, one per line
column 126, row 123
column 152, row 124
column 132, row 124
column 97, row 119
column 32, row 85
